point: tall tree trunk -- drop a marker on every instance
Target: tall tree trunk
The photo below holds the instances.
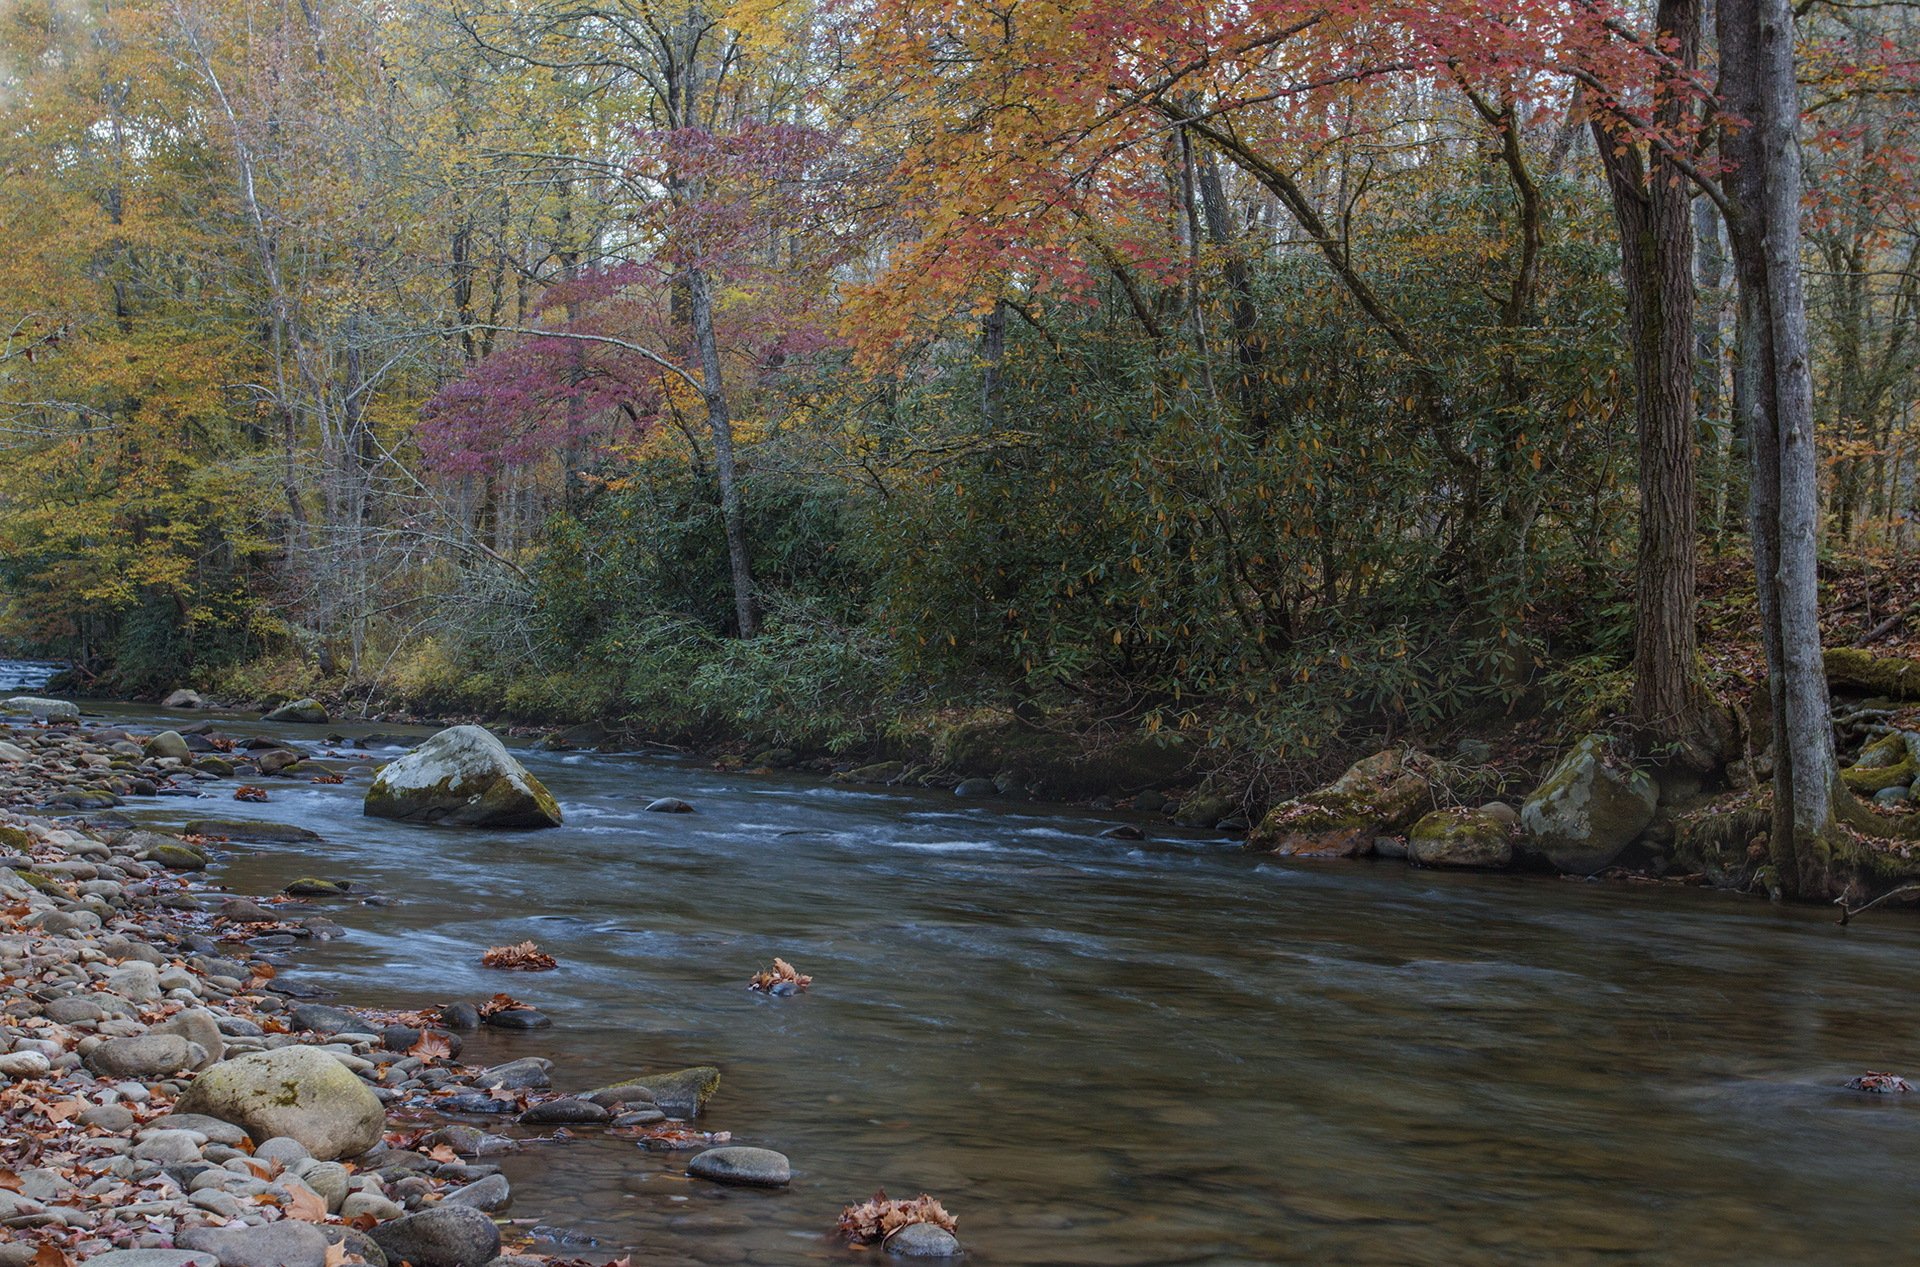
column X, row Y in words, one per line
column 746, row 608
column 1774, row 389
column 1652, row 205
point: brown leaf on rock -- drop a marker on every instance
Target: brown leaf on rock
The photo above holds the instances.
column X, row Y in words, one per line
column 431, row 1046
column 782, row 971
column 306, row 1205
column 525, row 957
column 501, row 1003
column 874, row 1220
column 336, row 1254
column 329, row 778
column 9, row 1181
column 50, row 1255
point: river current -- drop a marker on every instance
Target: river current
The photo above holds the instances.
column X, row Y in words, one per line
column 1097, row 1051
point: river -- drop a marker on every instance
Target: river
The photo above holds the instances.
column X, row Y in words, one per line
column 1108, row 1052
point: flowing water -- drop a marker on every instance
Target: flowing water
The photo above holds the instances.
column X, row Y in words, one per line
column 1103, row 1052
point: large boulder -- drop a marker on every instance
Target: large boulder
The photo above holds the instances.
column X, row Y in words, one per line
column 463, row 776
column 44, row 709
column 1379, row 795
column 683, row 1092
column 1588, row 809
column 1460, row 838
column 184, row 698
column 300, row 1092
column 168, row 743
column 308, row 711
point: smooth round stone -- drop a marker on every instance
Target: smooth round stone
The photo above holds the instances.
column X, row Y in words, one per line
column 923, row 1240
column 756, row 1167
column 564, row 1112
column 669, row 805
column 519, row 1018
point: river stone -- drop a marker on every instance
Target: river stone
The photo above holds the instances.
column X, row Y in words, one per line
column 356, row 1242
column 754, row 1167
column 1587, row 810
column 307, row 711
column 975, row 787
column 45, row 709
column 465, row 777
column 683, row 1092
column 274, row 760
column 318, row 1018
column 668, row 805
column 284, row 1244
column 184, row 698
column 24, row 1064
column 923, row 1240
column 148, row 1056
column 151, row 1258
column 564, row 1112
column 532, row 1072
column 490, row 1194
column 1460, row 838
column 243, row 829
column 518, row 1018
column 14, row 753
column 444, row 1236
column 168, row 743
column 300, row 1092
column 198, row 1026
column 1380, row 795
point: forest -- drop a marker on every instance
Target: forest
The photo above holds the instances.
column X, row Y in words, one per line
column 1247, row 387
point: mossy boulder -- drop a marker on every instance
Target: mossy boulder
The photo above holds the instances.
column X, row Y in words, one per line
column 1860, row 672
column 465, row 777
column 1887, row 762
column 1473, row 838
column 1588, row 809
column 299, row 1092
column 681, row 1092
column 1378, row 795
column 305, row 711
column 168, row 743
column 176, row 857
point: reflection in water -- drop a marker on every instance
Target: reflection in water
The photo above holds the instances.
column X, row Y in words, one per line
column 1101, row 1052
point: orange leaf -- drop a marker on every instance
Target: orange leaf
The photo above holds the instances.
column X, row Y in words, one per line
column 306, row 1205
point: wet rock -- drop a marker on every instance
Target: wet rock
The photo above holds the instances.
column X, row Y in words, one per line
column 242, row 829
column 490, row 1194
column 1125, row 831
column 148, row 1056
column 274, row 760
column 469, row 1141
column 564, row 1112
column 151, row 1258
column 303, row 711
column 1460, row 838
column 1879, row 1084
column 531, row 1072
column 923, row 1240
column 318, row 1018
column 313, row 886
column 1588, row 809
column 445, row 1236
column 300, row 1092
column 682, row 1092
column 518, row 1018
column 668, row 805
column 41, row 707
column 475, row 1102
column 975, row 787
column 753, row 1167
column 460, row 1016
column 465, row 777
column 284, row 1244
column 184, row 698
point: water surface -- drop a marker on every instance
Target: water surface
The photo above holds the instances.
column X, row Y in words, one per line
column 1109, row 1052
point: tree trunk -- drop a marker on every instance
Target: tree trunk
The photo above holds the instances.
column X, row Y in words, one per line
column 746, row 609
column 1652, row 205
column 1774, row 391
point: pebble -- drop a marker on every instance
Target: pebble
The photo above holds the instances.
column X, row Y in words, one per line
column 754, row 1167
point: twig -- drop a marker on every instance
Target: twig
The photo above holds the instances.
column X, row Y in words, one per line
column 1848, row 912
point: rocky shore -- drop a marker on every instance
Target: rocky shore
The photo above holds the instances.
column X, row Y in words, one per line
column 167, row 1101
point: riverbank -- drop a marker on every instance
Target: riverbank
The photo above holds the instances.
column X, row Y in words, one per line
column 162, row 1090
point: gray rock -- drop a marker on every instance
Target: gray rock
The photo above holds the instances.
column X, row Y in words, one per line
column 213, row 1128
column 1587, row 810
column 274, row 760
column 444, row 1236
column 151, row 1258
column 184, row 698
column 169, row 1148
column 683, row 1092
column 753, row 1167
column 519, row 1018
column 148, row 1056
column 465, row 777
column 300, row 1092
column 318, row 1018
column 668, row 805
column 923, row 1240
column 533, row 1072
column 283, row 1150
column 283, row 1244
column 489, row 1194
column 198, row 1027
column 564, row 1112
column 38, row 706
column 328, row 1178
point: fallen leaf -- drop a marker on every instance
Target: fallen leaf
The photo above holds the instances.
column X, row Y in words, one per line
column 305, row 1204
column 781, row 972
column 874, row 1220
column 431, row 1045
column 525, row 957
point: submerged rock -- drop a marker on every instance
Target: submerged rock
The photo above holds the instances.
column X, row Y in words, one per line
column 444, row 1236
column 923, row 1240
column 300, row 1092
column 462, row 776
column 754, row 1167
column 1587, row 810
column 668, row 805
